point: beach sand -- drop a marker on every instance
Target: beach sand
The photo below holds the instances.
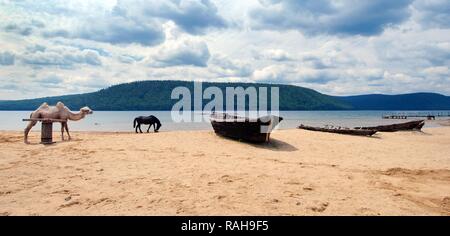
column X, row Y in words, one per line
column 198, row 173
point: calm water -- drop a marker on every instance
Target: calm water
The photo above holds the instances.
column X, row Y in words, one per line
column 123, row 120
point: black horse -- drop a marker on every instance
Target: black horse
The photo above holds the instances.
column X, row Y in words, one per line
column 147, row 120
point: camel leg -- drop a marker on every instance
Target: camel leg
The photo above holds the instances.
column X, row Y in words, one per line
column 27, row 130
column 67, row 129
column 62, row 131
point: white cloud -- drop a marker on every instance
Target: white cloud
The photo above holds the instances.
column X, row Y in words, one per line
column 370, row 47
column 62, row 57
column 184, row 52
column 116, row 22
column 437, row 70
column 433, row 13
column 274, row 54
column 345, row 17
column 192, row 16
column 273, row 73
column 7, row 58
column 226, row 67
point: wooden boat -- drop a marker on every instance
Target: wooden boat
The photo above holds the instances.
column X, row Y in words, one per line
column 412, row 125
column 340, row 130
column 242, row 128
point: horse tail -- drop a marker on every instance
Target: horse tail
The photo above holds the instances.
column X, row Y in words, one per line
column 134, row 123
column 158, row 123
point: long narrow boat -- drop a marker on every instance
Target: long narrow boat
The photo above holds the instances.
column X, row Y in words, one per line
column 412, row 125
column 340, row 130
column 242, row 128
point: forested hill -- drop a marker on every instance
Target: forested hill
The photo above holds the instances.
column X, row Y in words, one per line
column 412, row 101
column 156, row 95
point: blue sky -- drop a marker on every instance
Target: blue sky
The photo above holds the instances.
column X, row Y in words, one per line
column 338, row 47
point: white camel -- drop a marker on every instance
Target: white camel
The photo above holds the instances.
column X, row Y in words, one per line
column 56, row 112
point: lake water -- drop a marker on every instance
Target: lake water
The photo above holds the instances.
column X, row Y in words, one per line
column 123, row 120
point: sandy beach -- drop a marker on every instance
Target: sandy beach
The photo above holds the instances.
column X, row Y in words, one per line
column 198, row 173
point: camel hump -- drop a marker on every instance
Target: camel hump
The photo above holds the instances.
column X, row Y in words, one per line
column 43, row 105
column 60, row 105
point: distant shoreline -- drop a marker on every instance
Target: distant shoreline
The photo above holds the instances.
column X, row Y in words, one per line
column 123, row 120
column 393, row 110
column 57, row 132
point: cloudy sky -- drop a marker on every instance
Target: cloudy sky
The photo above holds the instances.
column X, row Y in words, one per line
column 338, row 47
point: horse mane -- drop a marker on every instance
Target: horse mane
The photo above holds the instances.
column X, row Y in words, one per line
column 156, row 119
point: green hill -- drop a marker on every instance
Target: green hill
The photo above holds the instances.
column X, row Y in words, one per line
column 412, row 101
column 156, row 95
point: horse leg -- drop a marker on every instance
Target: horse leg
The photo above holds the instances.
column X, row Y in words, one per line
column 140, row 130
column 62, row 131
column 67, row 129
column 148, row 130
column 27, row 130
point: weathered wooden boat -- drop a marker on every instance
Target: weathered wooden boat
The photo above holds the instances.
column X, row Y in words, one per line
column 412, row 125
column 255, row 130
column 339, row 130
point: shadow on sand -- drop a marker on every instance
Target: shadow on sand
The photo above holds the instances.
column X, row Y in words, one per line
column 273, row 144
column 375, row 136
column 420, row 132
column 276, row 145
column 55, row 142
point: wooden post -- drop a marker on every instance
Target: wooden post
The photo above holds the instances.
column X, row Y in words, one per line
column 47, row 132
column 46, row 129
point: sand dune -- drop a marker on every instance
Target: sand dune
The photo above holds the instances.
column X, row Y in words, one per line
column 198, row 173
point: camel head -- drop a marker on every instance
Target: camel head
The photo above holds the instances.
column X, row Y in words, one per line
column 86, row 110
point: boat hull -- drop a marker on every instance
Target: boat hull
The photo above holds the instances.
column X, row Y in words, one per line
column 340, row 131
column 244, row 129
column 412, row 125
